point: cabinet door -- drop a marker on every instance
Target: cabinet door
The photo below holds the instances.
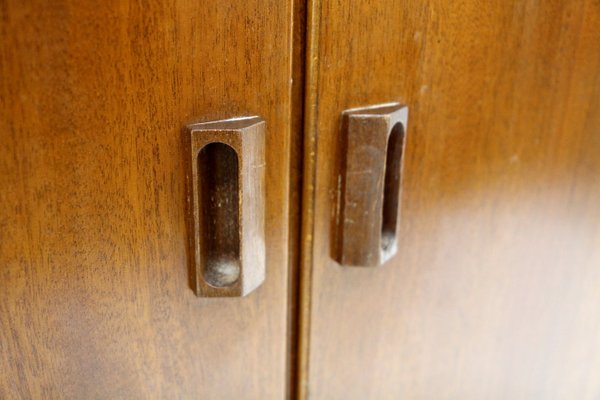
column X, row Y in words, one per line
column 95, row 300
column 494, row 291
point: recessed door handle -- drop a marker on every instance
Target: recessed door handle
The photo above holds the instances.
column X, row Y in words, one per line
column 370, row 186
column 226, row 199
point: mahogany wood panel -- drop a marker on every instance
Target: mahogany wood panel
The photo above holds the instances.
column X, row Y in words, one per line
column 95, row 300
column 495, row 290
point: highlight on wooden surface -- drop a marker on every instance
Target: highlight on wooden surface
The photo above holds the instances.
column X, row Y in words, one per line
column 226, row 201
column 370, row 184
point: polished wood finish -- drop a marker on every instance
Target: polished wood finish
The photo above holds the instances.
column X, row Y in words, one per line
column 226, row 203
column 494, row 292
column 369, row 182
column 95, row 300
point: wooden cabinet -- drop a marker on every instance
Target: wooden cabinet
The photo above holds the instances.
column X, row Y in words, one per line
column 95, row 300
column 495, row 288
column 492, row 292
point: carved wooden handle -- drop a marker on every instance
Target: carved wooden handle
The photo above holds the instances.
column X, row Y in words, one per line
column 227, row 201
column 371, row 178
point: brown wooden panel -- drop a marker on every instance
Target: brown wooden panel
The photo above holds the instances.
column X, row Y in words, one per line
column 94, row 294
column 495, row 290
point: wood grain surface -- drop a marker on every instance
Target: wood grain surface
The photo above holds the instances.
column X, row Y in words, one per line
column 94, row 293
column 495, row 290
